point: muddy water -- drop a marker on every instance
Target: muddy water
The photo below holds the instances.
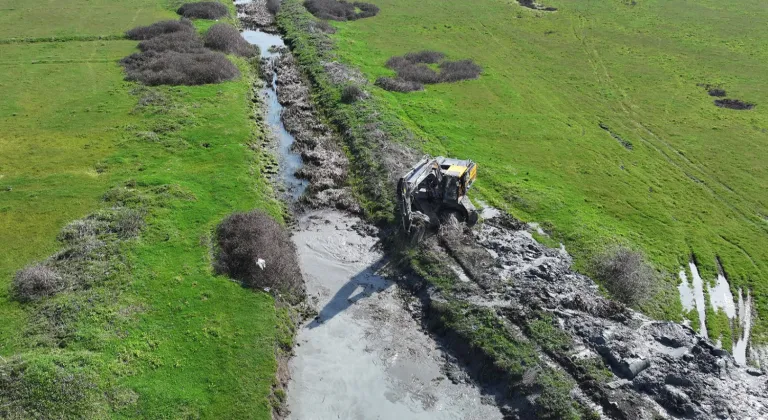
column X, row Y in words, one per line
column 364, row 356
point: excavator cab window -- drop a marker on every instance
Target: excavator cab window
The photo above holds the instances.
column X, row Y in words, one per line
column 451, row 189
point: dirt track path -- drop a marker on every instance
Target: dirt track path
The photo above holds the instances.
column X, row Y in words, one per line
column 365, row 357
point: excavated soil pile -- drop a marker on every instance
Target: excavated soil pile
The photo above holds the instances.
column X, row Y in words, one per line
column 657, row 366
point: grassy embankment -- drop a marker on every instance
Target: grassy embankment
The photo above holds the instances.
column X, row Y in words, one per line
column 164, row 337
column 693, row 181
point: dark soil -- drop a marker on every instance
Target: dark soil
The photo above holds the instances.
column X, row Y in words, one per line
column 626, row 143
column 733, row 104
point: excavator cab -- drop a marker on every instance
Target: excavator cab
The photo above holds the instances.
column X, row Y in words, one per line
column 435, row 189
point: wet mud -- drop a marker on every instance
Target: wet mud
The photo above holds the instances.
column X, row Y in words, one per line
column 365, row 356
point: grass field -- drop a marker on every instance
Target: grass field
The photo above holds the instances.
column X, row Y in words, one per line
column 559, row 88
column 165, row 337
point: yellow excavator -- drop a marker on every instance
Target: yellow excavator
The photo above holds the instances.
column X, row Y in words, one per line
column 434, row 190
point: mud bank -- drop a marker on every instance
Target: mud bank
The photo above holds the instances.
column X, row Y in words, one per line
column 365, row 356
column 656, row 367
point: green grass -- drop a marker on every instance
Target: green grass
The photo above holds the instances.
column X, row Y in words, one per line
column 19, row 19
column 694, row 181
column 164, row 337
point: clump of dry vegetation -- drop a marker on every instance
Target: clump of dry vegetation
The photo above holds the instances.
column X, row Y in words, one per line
column 734, row 104
column 393, row 84
column 159, row 28
column 626, row 274
column 183, row 42
column 256, row 250
column 172, row 53
column 351, row 93
column 203, row 10
column 175, row 68
column 340, row 9
column 414, row 71
column 273, row 6
column 89, row 245
column 225, row 38
column 35, row 282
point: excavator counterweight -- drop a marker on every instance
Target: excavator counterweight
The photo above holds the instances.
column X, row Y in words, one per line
column 435, row 189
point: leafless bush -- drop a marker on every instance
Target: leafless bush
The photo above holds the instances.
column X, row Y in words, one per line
column 716, row 92
column 258, row 251
column 226, row 38
column 733, row 104
column 35, row 282
column 453, row 71
column 413, row 67
column 351, row 93
column 419, row 73
column 128, row 223
column 160, row 28
column 323, row 26
column 174, row 68
column 340, row 10
column 426, row 56
column 203, row 10
column 398, row 85
column 174, row 41
column 273, row 6
column 626, row 274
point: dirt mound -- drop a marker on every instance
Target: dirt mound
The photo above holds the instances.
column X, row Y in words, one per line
column 733, row 104
column 653, row 366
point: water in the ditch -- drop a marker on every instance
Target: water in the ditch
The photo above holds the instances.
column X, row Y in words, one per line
column 364, row 356
column 289, row 162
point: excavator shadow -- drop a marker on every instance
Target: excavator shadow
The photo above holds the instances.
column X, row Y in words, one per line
column 363, row 285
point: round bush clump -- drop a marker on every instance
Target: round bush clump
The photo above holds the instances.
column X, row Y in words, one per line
column 259, row 252
column 225, row 38
column 203, row 10
column 35, row 282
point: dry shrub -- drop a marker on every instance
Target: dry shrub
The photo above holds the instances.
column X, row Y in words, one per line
column 35, row 282
column 340, row 10
column 716, row 92
column 175, row 68
column 246, row 238
column 203, row 10
column 626, row 274
column 273, row 6
column 426, row 56
column 226, row 38
column 413, row 68
column 175, row 41
column 160, row 28
column 323, row 26
column 398, row 85
column 351, row 93
column 453, row 71
column 733, row 104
